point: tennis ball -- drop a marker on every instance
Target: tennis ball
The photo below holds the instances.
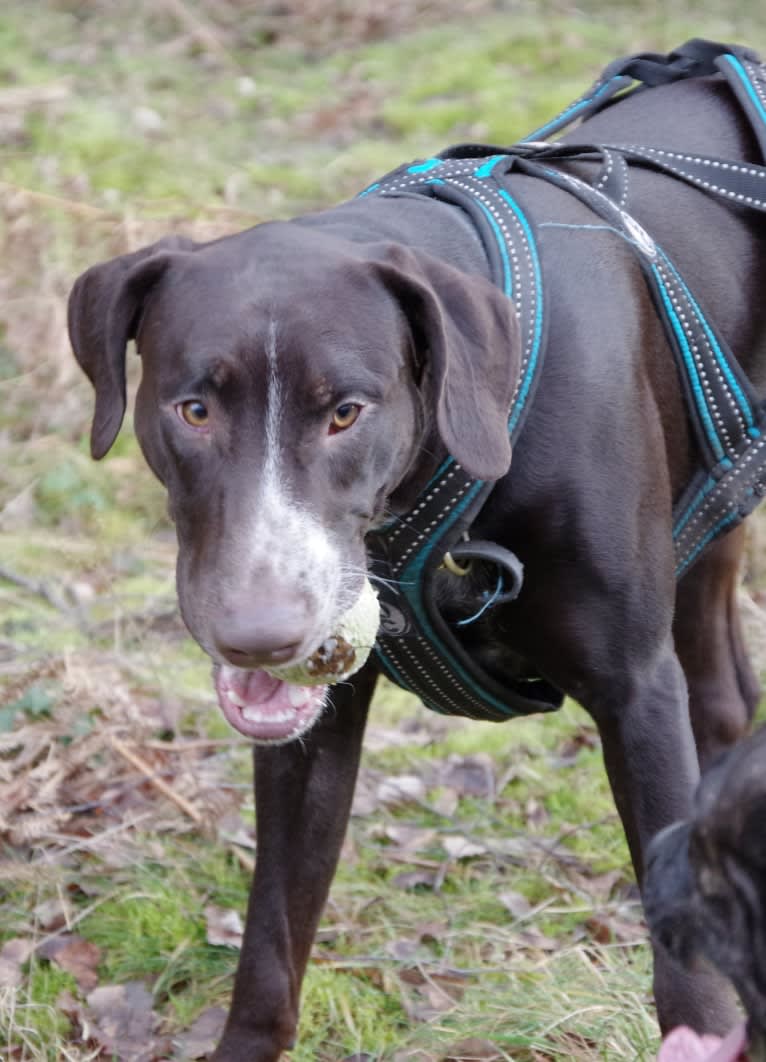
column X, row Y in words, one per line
column 344, row 652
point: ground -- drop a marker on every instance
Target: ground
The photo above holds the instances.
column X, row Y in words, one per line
column 485, row 907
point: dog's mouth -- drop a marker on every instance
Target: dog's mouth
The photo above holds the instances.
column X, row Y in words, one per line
column 265, row 708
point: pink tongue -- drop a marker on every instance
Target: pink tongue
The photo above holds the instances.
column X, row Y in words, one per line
column 684, row 1045
column 264, row 707
column 254, row 687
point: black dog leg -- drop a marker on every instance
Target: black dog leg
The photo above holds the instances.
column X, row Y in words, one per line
column 303, row 793
column 723, row 689
column 652, row 765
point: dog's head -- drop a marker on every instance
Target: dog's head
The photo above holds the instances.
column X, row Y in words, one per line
column 296, row 390
column 706, row 880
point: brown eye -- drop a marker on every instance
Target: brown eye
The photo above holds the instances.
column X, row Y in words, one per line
column 194, row 413
column 344, row 416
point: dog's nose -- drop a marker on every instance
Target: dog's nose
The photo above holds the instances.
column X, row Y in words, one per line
column 261, row 636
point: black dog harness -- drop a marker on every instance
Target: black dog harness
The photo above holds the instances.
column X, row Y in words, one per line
column 416, row 647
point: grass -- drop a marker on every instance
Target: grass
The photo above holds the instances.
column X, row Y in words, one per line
column 117, row 123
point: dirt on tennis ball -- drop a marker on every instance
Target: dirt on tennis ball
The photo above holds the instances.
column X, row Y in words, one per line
column 344, row 652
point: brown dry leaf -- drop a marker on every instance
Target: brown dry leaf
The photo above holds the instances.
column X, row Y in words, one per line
column 201, row 1038
column 224, row 927
column 13, row 954
column 469, row 775
column 365, row 802
column 431, row 932
column 458, row 847
column 50, row 915
column 413, row 879
column 605, row 928
column 124, row 1021
column 410, row 838
column 445, row 988
column 473, row 1049
column 515, row 903
column 445, row 802
column 400, row 789
column 76, row 956
column 402, row 949
column 533, row 940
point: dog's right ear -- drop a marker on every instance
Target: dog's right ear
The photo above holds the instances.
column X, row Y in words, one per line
column 105, row 309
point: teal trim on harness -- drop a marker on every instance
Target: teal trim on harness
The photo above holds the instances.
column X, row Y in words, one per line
column 744, row 403
column 572, row 111
column 534, row 356
column 741, row 73
column 691, row 369
column 424, row 167
column 507, row 284
column 416, row 647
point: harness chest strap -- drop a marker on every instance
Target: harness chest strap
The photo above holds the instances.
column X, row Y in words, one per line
column 416, row 647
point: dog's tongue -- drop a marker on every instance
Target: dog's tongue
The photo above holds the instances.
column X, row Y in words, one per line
column 264, row 707
column 684, row 1045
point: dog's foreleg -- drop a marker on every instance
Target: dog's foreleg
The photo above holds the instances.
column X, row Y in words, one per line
column 303, row 793
column 650, row 757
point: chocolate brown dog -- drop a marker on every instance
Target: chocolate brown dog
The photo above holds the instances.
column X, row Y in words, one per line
column 303, row 380
column 705, row 892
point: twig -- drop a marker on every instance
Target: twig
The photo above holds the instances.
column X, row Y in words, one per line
column 151, row 776
column 39, row 590
column 72, row 205
column 23, row 96
column 203, row 33
column 245, row 861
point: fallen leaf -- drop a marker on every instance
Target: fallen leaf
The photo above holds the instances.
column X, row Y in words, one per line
column 124, row 1020
column 76, row 956
column 515, row 903
column 470, row 775
column 402, row 949
column 13, row 954
column 201, row 1038
column 410, row 838
column 607, row 928
column 415, row 879
column 401, row 789
column 473, row 1049
column 50, row 915
column 224, row 927
column 458, row 847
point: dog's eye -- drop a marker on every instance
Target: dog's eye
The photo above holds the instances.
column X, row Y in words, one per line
column 344, row 416
column 194, row 413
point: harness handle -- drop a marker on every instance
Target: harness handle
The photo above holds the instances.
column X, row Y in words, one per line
column 502, row 558
column 695, row 58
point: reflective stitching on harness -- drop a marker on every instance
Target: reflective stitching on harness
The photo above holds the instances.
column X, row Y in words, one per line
column 738, row 197
column 429, row 660
column 739, row 400
column 692, row 366
column 755, row 93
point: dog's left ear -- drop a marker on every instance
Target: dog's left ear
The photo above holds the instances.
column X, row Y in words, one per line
column 466, row 333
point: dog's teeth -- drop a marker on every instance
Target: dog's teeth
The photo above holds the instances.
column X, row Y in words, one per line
column 253, row 715
column 298, row 696
column 235, row 698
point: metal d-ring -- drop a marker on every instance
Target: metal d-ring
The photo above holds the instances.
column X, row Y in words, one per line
column 449, row 562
